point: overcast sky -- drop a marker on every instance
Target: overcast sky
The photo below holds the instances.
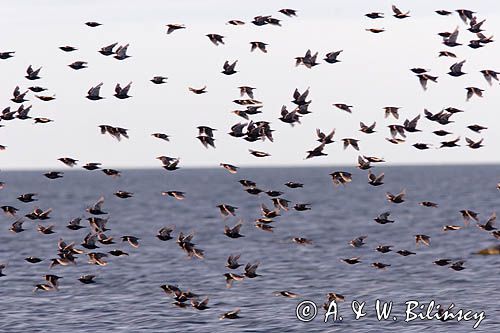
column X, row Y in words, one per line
column 373, row 73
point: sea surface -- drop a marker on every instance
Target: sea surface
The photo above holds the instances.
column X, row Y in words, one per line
column 127, row 296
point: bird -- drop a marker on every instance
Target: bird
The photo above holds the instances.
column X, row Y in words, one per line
column 87, row 279
column 18, row 98
column 375, row 15
column 39, row 214
column 405, row 253
column 456, row 69
column 233, row 232
column 6, row 54
column 391, row 110
column 159, row 79
column 108, row 50
column 123, row 194
column 68, row 48
column 286, row 293
column 231, row 168
column 169, row 163
column 227, row 210
column 363, row 164
column 17, row 226
column 442, row 133
column 37, row 89
column 358, row 241
column 428, row 204
column 68, row 161
column 27, row 197
column 231, row 315
column 474, row 144
column 93, row 24
column 246, row 90
column 383, row 218
column 384, row 248
column 411, row 125
column 121, row 52
column 91, row 166
column 78, row 65
column 132, row 240
column 380, row 265
column 423, row 78
column 447, row 54
column 53, row 174
column 235, row 22
column 198, row 91
column 206, row 141
column 331, row 57
column 258, row 45
column 288, row 12
column 324, row 138
column 251, row 270
column 399, row 14
column 449, row 144
column 351, row 142
column 367, row 129
column 424, row 239
column 228, row 69
column 122, row 93
column 352, row 261
column 294, row 185
column 74, row 224
column 46, row 230
column 344, row 107
column 488, row 225
column 206, row 131
column 375, row 30
column 476, row 128
column 458, row 265
column 32, row 74
column 301, row 241
column 443, row 12
column 451, row 227
column 118, row 253
column 173, row 27
column 341, row 177
column 216, row 39
column 164, row 234
column 93, row 93
column 318, row 151
column 308, row 60
column 174, row 194
column 203, row 305
column 419, row 70
column 451, row 40
column 375, row 180
column 161, row 136
column 469, row 215
column 96, row 208
column 471, row 91
column 489, row 75
column 33, row 260
column 442, row 262
column 232, row 261
column 257, row 153
column 396, row 198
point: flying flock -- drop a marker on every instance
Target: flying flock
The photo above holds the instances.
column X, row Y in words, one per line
column 95, row 225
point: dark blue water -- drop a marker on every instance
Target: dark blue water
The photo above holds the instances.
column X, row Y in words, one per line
column 127, row 296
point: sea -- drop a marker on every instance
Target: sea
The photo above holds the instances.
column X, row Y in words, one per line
column 126, row 295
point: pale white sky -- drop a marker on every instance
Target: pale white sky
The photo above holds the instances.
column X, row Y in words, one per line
column 374, row 73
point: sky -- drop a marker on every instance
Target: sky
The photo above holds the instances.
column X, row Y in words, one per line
column 373, row 73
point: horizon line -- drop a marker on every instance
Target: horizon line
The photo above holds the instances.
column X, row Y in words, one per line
column 252, row 166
